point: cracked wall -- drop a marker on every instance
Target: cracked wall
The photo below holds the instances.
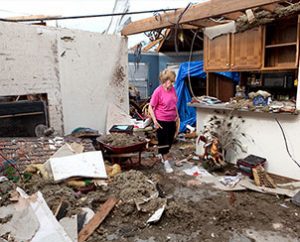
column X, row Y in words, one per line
column 75, row 68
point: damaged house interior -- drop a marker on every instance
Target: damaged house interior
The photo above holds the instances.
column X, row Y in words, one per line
column 189, row 134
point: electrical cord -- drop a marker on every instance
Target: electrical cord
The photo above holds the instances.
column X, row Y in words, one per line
column 189, row 63
column 177, row 25
column 285, row 141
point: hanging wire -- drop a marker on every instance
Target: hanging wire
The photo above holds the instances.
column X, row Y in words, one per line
column 286, row 145
column 86, row 16
column 177, row 25
column 189, row 63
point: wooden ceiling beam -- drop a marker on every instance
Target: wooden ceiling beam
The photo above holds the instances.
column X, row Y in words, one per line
column 199, row 11
column 233, row 16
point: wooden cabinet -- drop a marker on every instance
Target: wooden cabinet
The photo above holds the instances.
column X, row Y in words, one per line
column 217, row 53
column 281, row 42
column 235, row 52
column 246, row 50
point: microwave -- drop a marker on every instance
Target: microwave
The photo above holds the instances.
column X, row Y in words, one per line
column 284, row 80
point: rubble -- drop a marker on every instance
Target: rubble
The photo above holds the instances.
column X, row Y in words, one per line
column 151, row 203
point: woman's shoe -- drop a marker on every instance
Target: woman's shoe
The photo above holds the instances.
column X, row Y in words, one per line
column 168, row 167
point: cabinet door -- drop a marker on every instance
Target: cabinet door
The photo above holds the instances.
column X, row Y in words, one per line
column 246, row 50
column 217, row 53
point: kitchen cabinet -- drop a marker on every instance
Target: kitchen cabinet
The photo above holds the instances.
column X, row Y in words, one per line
column 234, row 52
column 217, row 53
column 281, row 45
column 246, row 50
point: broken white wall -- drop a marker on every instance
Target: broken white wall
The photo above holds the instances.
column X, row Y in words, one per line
column 93, row 73
column 268, row 140
column 29, row 65
column 82, row 72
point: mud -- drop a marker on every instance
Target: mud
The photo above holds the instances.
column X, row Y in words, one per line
column 194, row 211
column 120, row 139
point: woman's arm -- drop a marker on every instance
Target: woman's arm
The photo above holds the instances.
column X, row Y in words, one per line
column 151, row 112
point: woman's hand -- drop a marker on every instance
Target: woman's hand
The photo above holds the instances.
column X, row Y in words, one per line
column 157, row 125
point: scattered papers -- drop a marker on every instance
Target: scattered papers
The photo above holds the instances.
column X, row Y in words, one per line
column 141, row 124
column 197, row 171
column 157, row 215
column 88, row 164
column 231, row 181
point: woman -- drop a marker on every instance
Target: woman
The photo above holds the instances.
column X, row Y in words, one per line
column 163, row 111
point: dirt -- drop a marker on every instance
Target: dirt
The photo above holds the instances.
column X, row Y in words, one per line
column 120, row 139
column 193, row 212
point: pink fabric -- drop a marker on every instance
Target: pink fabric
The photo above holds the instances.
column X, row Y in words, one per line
column 164, row 103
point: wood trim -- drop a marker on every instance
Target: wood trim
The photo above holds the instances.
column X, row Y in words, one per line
column 282, row 45
column 263, row 46
column 229, row 50
column 199, row 11
column 298, row 39
column 207, row 83
column 205, row 50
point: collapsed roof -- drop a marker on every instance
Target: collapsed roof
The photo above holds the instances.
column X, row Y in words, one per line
column 246, row 14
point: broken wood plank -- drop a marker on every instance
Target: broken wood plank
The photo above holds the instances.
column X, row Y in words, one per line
column 97, row 219
column 261, row 178
column 199, row 11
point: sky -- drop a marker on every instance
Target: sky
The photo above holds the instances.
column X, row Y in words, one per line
column 13, row 8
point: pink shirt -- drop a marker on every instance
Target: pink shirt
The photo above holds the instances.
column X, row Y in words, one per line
column 163, row 103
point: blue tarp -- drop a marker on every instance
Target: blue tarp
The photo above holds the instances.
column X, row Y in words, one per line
column 194, row 69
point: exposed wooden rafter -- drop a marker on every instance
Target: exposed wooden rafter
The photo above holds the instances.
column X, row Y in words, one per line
column 163, row 40
column 199, row 11
column 151, row 44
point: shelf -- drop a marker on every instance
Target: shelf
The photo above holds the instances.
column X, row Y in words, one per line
column 281, row 45
column 272, row 88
